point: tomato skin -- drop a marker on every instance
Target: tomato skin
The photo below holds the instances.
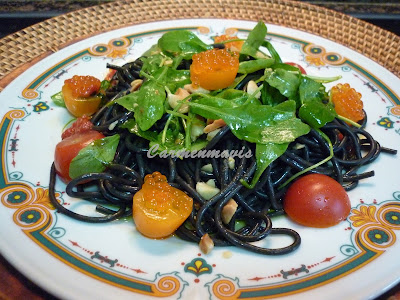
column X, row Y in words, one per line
column 80, row 95
column 68, row 148
column 158, row 208
column 317, row 200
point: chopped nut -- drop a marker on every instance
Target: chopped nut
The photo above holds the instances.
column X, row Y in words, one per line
column 173, row 100
column 168, row 62
column 259, row 54
column 206, row 190
column 112, row 125
column 197, row 128
column 191, row 89
column 298, row 146
column 211, row 183
column 135, row 85
column 214, row 125
column 228, row 211
column 211, row 135
column 206, row 244
column 231, row 162
column 207, row 168
column 252, row 88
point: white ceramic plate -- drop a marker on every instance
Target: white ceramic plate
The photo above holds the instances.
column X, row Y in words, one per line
column 356, row 259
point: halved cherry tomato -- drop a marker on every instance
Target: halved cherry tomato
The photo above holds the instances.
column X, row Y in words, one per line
column 316, row 200
column 80, row 95
column 214, row 69
column 82, row 124
column 69, row 147
column 158, row 208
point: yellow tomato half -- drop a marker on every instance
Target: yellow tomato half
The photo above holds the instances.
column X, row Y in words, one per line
column 80, row 95
column 214, row 69
column 158, row 208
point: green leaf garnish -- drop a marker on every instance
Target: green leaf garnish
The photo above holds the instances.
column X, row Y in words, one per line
column 95, row 157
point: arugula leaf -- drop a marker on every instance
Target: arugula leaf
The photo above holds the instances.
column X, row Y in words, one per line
column 286, row 82
column 147, row 103
column 181, row 43
column 257, row 123
column 317, row 114
column 286, row 67
column 104, row 85
column 272, row 51
column 310, row 90
column 129, row 101
column 174, row 140
column 149, row 107
column 177, row 79
column 134, row 128
column 254, row 40
column 271, row 95
column 95, row 157
column 316, row 110
column 152, row 63
column 228, row 98
column 239, row 97
column 58, row 99
column 153, row 50
column 265, row 155
column 173, row 79
column 250, row 66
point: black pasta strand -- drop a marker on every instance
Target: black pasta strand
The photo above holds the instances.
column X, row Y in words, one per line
column 60, row 208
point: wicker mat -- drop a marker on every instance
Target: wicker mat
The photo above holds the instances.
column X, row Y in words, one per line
column 20, row 50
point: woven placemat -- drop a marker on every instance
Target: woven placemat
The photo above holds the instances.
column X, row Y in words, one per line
column 20, row 50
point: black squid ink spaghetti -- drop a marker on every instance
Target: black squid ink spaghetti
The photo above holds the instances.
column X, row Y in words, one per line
column 174, row 99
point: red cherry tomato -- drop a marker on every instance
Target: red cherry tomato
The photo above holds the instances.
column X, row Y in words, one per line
column 69, row 147
column 316, row 200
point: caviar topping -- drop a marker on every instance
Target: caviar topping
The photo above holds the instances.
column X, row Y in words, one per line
column 214, row 69
column 158, row 208
column 83, row 86
column 347, row 102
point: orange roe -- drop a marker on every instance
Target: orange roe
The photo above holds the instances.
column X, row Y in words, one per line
column 347, row 102
column 83, row 86
column 214, row 69
column 158, row 208
column 233, row 46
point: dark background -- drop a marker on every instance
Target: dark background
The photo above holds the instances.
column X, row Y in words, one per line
column 16, row 15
